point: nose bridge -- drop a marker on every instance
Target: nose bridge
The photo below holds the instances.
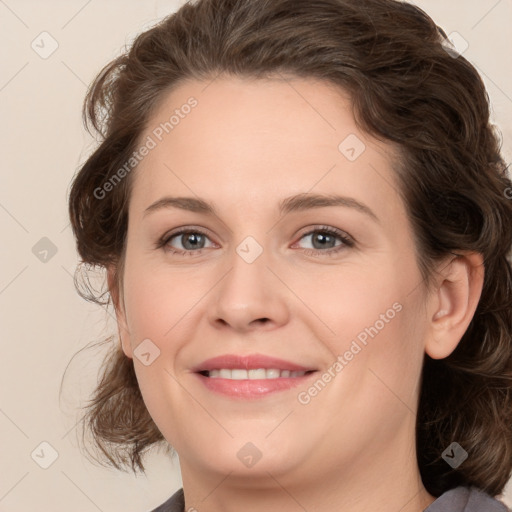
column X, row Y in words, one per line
column 249, row 292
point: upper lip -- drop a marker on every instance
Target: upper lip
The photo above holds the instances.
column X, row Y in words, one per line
column 248, row 362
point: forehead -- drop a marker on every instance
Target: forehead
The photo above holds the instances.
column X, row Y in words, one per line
column 247, row 141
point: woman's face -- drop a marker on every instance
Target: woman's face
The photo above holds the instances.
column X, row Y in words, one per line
column 261, row 278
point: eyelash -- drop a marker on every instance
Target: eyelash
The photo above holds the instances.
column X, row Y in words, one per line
column 347, row 242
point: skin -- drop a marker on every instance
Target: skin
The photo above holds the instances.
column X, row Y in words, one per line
column 246, row 146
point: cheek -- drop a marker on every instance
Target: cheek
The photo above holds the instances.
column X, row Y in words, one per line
column 354, row 299
column 157, row 304
column 374, row 312
column 157, row 301
column 392, row 356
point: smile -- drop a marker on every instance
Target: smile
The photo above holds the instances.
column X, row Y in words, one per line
column 251, row 376
column 255, row 374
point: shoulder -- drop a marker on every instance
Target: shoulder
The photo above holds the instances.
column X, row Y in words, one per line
column 466, row 499
column 176, row 503
column 459, row 499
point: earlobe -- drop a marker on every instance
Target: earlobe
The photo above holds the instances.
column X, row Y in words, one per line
column 122, row 326
column 454, row 303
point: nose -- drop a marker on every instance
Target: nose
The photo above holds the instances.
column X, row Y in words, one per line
column 249, row 296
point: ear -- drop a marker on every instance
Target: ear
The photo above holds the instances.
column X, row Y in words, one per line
column 453, row 303
column 122, row 326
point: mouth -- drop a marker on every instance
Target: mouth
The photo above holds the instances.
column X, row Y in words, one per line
column 254, row 374
column 251, row 376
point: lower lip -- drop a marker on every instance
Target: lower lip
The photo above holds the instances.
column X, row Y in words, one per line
column 252, row 388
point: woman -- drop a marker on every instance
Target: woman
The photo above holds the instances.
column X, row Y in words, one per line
column 303, row 215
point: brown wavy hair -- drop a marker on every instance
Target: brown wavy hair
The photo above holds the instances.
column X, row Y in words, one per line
column 406, row 88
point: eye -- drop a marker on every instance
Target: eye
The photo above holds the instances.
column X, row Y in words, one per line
column 323, row 238
column 191, row 240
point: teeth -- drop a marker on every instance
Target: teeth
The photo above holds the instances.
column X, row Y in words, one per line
column 260, row 373
column 236, row 374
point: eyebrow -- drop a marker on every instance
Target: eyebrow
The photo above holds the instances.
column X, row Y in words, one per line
column 296, row 203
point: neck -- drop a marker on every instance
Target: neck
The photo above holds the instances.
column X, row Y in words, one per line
column 390, row 482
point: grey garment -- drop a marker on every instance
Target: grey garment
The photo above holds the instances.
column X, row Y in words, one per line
column 466, row 499
column 460, row 499
column 176, row 503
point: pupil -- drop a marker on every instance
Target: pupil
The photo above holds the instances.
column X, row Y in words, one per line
column 189, row 237
column 322, row 236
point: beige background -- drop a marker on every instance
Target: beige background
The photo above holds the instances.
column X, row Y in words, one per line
column 43, row 321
